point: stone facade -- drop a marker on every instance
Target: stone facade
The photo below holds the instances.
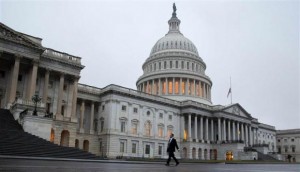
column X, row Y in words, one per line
column 288, row 143
column 173, row 96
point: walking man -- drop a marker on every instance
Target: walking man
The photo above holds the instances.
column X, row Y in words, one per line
column 172, row 144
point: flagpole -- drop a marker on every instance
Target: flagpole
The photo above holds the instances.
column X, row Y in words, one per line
column 231, row 90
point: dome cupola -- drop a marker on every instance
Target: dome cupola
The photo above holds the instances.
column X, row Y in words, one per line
column 174, row 68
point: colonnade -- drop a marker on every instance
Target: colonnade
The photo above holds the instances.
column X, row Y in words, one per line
column 198, row 128
column 82, row 113
column 31, row 86
column 176, row 86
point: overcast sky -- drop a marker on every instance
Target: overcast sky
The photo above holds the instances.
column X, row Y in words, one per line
column 254, row 42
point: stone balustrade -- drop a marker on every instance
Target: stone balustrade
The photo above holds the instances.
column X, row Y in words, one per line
column 62, row 56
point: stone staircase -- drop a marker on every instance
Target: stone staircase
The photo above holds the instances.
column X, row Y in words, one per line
column 15, row 142
column 265, row 157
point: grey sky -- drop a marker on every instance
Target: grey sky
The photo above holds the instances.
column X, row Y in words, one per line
column 254, row 42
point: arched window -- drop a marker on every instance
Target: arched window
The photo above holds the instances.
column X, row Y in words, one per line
column 52, row 135
column 86, row 145
column 134, row 126
column 160, row 130
column 64, row 139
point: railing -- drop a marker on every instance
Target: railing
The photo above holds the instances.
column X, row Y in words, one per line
column 28, row 103
column 63, row 56
column 88, row 89
column 260, row 145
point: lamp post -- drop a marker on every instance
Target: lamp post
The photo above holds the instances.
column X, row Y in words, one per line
column 36, row 99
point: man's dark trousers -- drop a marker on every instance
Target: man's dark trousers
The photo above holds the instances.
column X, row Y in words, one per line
column 171, row 155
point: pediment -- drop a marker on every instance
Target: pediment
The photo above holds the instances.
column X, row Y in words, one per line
column 9, row 34
column 238, row 110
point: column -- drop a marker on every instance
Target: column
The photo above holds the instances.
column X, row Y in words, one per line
column 159, row 86
column 190, row 127
column 204, row 90
column 82, row 108
column 233, row 130
column 92, row 118
column 74, row 100
column 182, row 122
column 212, row 130
column 238, row 131
column 173, row 86
column 32, row 80
column 180, row 87
column 219, row 130
column 143, row 90
column 229, row 132
column 256, row 135
column 152, row 89
column 224, row 129
column 206, row 129
column 46, row 83
column 251, row 136
column 147, row 87
column 247, row 137
column 242, row 133
column 196, row 128
column 14, row 80
column 60, row 96
column 201, row 129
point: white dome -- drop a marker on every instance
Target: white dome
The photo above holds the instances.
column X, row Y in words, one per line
column 174, row 41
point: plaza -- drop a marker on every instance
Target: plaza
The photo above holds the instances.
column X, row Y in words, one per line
column 9, row 165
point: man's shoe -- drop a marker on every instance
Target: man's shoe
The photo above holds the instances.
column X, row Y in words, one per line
column 167, row 164
column 177, row 163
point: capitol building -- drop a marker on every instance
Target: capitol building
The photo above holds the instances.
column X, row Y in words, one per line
column 173, row 95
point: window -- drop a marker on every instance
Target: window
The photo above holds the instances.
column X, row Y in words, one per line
column 160, row 131
column 279, row 149
column 170, row 117
column 182, row 64
column 154, row 66
column 165, row 65
column 170, row 130
column 103, row 107
column 192, row 66
column 176, row 64
column 285, row 140
column 286, row 149
column 147, row 150
column 292, row 140
column 65, row 87
column 134, row 127
column 133, row 148
column 135, row 110
column 100, row 146
column 123, row 108
column 62, row 110
column 171, row 64
column 160, row 115
column 101, row 125
column 187, row 65
column 147, row 128
column 123, row 126
column 159, row 65
column 122, row 146
column 2, row 74
column 160, row 150
column 148, row 113
column 278, row 140
column 293, row 149
column 20, row 78
column 151, row 67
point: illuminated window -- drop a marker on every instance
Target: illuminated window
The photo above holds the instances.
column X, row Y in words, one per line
column 176, row 87
column 170, row 87
column 183, row 87
column 170, row 130
column 160, row 131
column 134, row 128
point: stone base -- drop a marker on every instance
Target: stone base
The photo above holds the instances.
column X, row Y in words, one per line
column 81, row 130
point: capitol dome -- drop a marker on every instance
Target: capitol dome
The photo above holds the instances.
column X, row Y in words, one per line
column 174, row 68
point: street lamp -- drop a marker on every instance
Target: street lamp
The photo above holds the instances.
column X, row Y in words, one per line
column 36, row 99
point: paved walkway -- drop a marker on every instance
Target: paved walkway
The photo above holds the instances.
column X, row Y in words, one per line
column 29, row 165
